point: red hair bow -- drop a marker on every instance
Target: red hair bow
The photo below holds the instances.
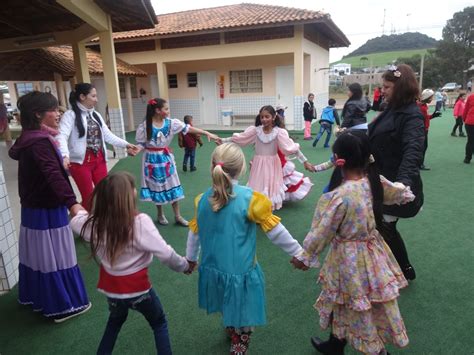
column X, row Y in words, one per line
column 152, row 102
column 340, row 162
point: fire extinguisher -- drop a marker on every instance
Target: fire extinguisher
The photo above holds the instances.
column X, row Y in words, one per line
column 221, row 86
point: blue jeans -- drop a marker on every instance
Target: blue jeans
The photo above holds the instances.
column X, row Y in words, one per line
column 325, row 127
column 147, row 304
column 189, row 153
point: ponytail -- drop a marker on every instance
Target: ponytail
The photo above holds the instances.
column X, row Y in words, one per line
column 222, row 186
column 151, row 107
column 74, row 97
column 228, row 163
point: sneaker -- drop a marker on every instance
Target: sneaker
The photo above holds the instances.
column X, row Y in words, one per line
column 461, row 134
column 467, row 161
column 314, row 143
column 327, row 146
column 185, row 168
column 64, row 317
column 424, row 168
column 162, row 220
column 453, row 134
column 409, row 273
column 308, row 138
column 193, row 168
column 181, row 221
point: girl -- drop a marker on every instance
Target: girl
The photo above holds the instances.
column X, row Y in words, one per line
column 49, row 277
column 82, row 137
column 266, row 175
column 360, row 277
column 425, row 99
column 125, row 250
column 160, row 181
column 355, row 109
column 230, row 279
column 458, row 111
column 309, row 114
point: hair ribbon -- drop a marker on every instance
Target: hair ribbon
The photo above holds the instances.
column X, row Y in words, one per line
column 340, row 162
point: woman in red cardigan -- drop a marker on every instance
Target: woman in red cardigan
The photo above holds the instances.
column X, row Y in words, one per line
column 468, row 118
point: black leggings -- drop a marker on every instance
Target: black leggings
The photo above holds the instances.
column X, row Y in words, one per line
column 470, row 142
column 394, row 240
column 458, row 124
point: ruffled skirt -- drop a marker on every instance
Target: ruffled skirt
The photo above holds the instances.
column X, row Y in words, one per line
column 239, row 298
column 298, row 186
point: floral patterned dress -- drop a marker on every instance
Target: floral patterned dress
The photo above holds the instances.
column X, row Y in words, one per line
column 360, row 277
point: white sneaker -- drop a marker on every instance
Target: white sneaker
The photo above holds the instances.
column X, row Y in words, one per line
column 181, row 221
column 64, row 317
column 162, row 220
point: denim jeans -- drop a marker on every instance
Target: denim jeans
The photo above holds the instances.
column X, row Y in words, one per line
column 189, row 153
column 325, row 127
column 147, row 304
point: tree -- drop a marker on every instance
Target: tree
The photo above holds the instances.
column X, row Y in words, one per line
column 457, row 46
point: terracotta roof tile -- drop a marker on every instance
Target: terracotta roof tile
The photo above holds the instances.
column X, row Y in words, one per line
column 222, row 17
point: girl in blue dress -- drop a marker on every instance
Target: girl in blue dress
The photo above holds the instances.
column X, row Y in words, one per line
column 231, row 281
column 160, row 181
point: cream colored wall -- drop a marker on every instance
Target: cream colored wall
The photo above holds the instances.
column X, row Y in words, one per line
column 222, row 67
column 319, row 79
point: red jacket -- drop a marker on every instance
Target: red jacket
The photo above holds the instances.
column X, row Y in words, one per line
column 426, row 116
column 459, row 108
column 468, row 115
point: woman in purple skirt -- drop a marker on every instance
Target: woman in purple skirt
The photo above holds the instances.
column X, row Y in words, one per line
column 50, row 279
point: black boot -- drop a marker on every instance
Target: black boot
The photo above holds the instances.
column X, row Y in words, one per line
column 409, row 272
column 333, row 346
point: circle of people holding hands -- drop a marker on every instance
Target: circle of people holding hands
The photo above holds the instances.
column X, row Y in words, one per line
column 375, row 181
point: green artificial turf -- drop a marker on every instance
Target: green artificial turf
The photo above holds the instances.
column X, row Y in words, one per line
column 438, row 307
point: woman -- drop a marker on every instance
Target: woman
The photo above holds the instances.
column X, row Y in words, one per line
column 355, row 109
column 49, row 277
column 468, row 118
column 397, row 141
column 82, row 137
column 309, row 114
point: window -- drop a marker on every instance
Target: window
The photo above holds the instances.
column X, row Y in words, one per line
column 246, row 81
column 133, row 87
column 173, row 81
column 23, row 88
column 192, row 80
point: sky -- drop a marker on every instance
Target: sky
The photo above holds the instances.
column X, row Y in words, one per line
column 359, row 20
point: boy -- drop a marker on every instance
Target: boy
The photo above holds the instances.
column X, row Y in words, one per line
column 188, row 142
column 328, row 117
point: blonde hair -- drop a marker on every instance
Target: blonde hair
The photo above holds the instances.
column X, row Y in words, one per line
column 227, row 163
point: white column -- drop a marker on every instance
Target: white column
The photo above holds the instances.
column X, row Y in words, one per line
column 128, row 95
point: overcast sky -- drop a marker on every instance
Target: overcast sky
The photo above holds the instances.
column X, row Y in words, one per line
column 359, row 20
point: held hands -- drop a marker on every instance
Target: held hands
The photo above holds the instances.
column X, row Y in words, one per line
column 191, row 266
column 75, row 209
column 297, row 264
column 133, row 150
column 212, row 136
column 66, row 163
column 308, row 166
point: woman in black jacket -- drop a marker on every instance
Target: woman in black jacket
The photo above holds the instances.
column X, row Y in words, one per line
column 355, row 109
column 397, row 138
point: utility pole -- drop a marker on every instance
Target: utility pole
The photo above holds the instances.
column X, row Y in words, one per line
column 383, row 22
column 371, row 76
column 422, row 66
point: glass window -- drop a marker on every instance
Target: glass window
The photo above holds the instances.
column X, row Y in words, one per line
column 133, row 87
column 242, row 81
column 23, row 88
column 173, row 81
column 192, row 80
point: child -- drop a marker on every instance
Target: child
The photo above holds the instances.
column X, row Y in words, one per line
column 188, row 142
column 49, row 278
column 425, row 99
column 328, row 117
column 230, row 279
column 309, row 114
column 125, row 250
column 360, row 278
column 458, row 111
column 160, row 181
column 266, row 175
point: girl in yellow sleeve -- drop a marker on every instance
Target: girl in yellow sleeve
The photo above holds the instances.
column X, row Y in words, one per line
column 224, row 228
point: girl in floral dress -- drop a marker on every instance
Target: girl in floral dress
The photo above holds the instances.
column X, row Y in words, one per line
column 360, row 277
column 266, row 175
column 160, row 181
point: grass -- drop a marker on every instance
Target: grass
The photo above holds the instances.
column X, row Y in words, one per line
column 438, row 307
column 380, row 59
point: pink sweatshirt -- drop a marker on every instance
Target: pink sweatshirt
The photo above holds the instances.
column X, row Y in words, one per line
column 459, row 108
column 128, row 277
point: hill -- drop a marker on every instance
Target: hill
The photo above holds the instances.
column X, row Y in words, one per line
column 379, row 59
column 408, row 40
